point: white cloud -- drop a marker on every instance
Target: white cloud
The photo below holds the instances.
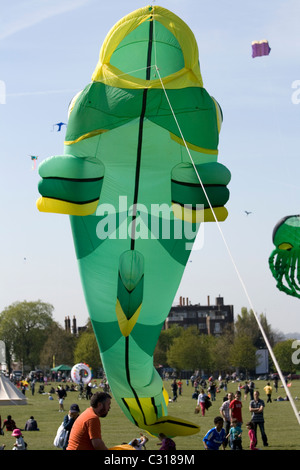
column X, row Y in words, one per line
column 19, row 15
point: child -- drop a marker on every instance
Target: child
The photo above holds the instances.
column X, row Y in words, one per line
column 216, row 436
column 234, row 435
column 201, row 401
column 251, row 434
column 19, row 444
column 139, row 443
column 166, row 442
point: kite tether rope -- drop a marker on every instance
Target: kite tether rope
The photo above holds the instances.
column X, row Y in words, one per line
column 232, row 260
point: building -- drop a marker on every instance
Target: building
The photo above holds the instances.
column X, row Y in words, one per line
column 75, row 330
column 209, row 319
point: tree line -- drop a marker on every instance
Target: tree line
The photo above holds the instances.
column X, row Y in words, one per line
column 235, row 349
column 33, row 339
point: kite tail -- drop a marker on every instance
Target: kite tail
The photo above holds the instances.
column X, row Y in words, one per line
column 144, row 404
column 128, row 356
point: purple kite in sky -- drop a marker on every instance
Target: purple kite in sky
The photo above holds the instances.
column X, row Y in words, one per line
column 260, row 48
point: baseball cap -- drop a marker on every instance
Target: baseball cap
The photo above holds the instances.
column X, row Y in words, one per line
column 75, row 408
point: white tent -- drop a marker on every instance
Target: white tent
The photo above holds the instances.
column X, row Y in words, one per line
column 10, row 394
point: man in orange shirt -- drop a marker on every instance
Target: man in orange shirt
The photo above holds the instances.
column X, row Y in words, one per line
column 86, row 431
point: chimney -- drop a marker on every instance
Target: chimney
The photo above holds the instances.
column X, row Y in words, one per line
column 208, row 301
column 180, row 301
column 208, row 324
column 74, row 326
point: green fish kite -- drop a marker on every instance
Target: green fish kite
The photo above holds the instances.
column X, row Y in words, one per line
column 139, row 167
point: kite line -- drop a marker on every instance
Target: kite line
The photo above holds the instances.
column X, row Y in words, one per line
column 232, row 259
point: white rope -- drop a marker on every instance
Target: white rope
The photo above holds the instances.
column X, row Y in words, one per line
column 233, row 262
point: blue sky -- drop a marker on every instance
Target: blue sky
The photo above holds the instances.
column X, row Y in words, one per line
column 48, row 52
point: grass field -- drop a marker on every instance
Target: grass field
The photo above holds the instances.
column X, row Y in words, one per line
column 281, row 425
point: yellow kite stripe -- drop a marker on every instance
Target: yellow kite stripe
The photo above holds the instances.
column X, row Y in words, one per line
column 194, row 147
column 86, row 136
column 196, row 216
column 46, row 204
column 126, row 325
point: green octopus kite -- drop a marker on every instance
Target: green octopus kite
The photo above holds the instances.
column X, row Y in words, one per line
column 139, row 167
column 284, row 260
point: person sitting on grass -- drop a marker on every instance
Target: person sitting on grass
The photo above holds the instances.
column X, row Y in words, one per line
column 166, row 442
column 31, row 424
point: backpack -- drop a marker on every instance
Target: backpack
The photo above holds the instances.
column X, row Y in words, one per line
column 61, row 437
column 207, row 403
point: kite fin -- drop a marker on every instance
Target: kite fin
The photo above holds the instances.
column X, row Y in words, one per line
column 69, row 185
column 130, row 290
column 190, row 201
column 145, row 414
column 172, row 427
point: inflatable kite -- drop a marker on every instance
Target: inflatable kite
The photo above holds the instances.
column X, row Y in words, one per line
column 81, row 373
column 284, row 260
column 260, row 48
column 139, row 167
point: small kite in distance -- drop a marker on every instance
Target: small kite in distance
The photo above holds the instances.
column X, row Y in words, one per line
column 59, row 124
column 34, row 160
column 247, row 212
column 260, row 48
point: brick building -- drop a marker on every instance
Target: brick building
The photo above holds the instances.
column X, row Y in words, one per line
column 209, row 319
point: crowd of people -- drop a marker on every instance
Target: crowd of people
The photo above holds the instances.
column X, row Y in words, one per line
column 227, row 429
column 9, row 425
column 82, row 430
column 228, row 426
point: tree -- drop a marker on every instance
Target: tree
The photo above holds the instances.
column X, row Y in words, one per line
column 164, row 343
column 283, row 352
column 59, row 347
column 24, row 328
column 246, row 325
column 191, row 351
column 221, row 350
column 87, row 350
column 242, row 353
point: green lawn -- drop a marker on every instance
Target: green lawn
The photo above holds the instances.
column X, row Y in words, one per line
column 281, row 425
